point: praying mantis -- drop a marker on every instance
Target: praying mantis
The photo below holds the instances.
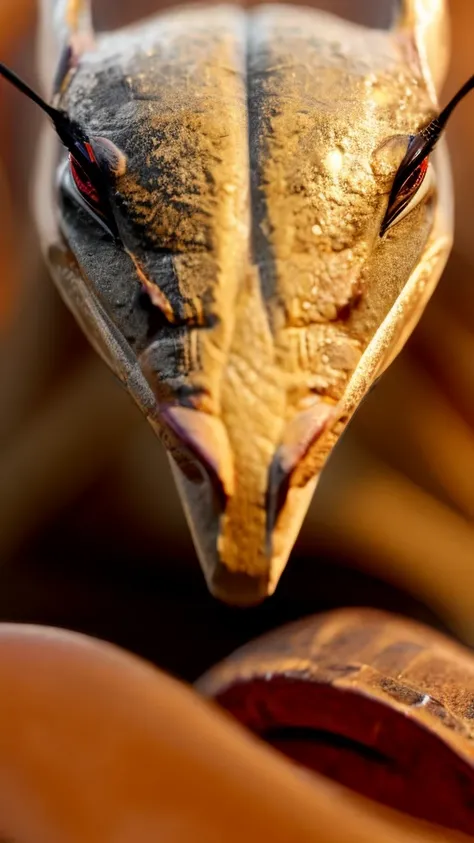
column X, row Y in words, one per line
column 249, row 217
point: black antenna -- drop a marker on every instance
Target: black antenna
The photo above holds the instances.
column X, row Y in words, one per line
column 443, row 118
column 68, row 130
column 25, row 89
column 419, row 147
column 425, row 141
column 74, row 139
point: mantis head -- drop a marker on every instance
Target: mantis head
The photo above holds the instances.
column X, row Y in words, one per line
column 251, row 212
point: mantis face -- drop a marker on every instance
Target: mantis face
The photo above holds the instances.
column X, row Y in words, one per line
column 233, row 239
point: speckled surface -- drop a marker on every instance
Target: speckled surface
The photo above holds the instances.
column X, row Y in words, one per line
column 253, row 290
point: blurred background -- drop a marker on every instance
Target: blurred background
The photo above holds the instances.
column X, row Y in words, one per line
column 92, row 536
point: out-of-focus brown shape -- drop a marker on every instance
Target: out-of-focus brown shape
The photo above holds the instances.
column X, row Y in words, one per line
column 15, row 17
column 97, row 746
column 382, row 705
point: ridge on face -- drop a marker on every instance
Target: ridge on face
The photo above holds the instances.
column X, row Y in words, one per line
column 251, row 277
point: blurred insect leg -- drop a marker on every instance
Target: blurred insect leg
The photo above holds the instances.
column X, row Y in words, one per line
column 412, row 425
column 123, row 752
column 451, row 359
column 61, row 449
column 454, row 293
column 389, row 526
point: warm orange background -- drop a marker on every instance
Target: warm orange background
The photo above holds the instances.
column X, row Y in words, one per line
column 92, row 536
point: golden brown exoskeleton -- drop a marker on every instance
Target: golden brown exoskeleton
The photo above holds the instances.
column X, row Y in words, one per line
column 231, row 234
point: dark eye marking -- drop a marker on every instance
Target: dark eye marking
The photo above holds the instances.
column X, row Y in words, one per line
column 404, row 189
column 89, row 174
column 90, row 178
column 413, row 169
column 82, row 181
column 415, row 179
column 90, row 182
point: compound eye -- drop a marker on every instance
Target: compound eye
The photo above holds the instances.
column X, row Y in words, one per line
column 89, row 183
column 408, row 192
column 82, row 181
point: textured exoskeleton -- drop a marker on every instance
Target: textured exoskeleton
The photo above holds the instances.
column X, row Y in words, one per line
column 247, row 299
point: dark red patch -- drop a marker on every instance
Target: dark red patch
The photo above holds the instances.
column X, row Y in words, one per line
column 363, row 743
column 83, row 183
column 90, row 153
column 415, row 179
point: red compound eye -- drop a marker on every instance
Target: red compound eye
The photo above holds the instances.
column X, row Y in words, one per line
column 82, row 181
column 414, row 180
column 91, row 185
column 404, row 193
